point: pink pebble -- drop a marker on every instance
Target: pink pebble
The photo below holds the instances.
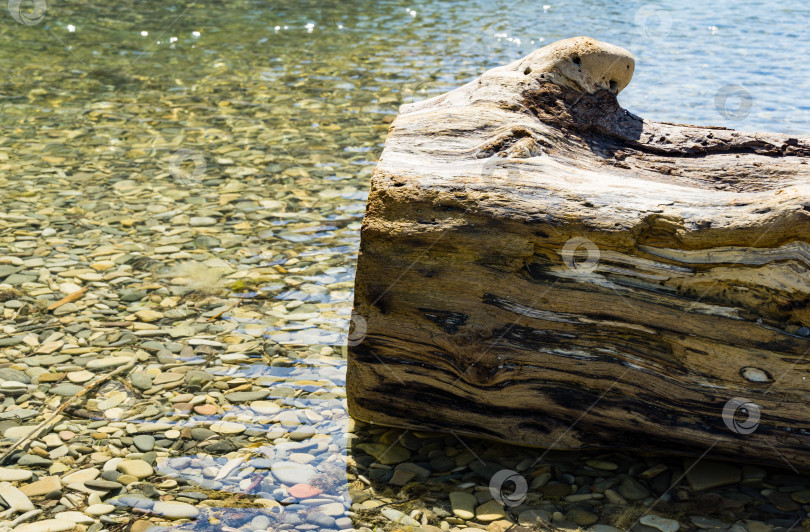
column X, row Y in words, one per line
column 206, row 410
column 304, row 491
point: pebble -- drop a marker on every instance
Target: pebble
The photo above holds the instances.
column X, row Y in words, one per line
column 144, row 442
column 48, row 525
column 80, row 377
column 244, row 397
column 632, row 490
column 15, row 499
column 304, row 491
column 228, row 427
column 175, row 510
column 463, row 504
column 386, row 454
column 13, row 475
column 81, row 476
column 75, row 517
column 15, row 433
column 206, row 410
column 136, row 468
column 99, row 509
column 489, row 511
column 42, row 486
column 109, row 362
column 661, row 523
column 291, row 473
column 707, row 474
column 398, row 517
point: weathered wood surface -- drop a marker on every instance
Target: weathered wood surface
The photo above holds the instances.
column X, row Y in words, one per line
column 542, row 267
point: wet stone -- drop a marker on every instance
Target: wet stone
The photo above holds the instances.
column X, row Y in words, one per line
column 144, row 442
column 632, row 490
column 200, row 434
column 244, row 397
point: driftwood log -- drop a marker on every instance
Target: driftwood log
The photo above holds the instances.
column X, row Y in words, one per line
column 542, row 267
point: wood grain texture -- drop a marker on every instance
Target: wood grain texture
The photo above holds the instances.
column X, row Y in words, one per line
column 542, row 267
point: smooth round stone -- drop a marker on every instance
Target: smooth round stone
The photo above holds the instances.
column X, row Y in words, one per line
column 81, row 475
column 144, row 442
column 114, row 413
column 305, row 432
column 183, row 407
column 141, row 380
column 324, row 521
column 200, row 434
column 304, row 491
column 490, row 511
column 260, row 522
column 112, row 464
column 265, row 407
column 15, row 433
column 14, row 375
column 228, row 427
column 182, row 398
column 463, row 504
column 175, row 510
column 104, row 485
column 172, row 434
column 99, row 509
column 291, row 473
column 112, row 476
column 76, row 517
column 33, row 460
column 149, row 315
column 108, row 362
column 126, row 480
column 167, row 378
column 202, row 221
column 13, row 387
column 603, row 465
column 205, row 410
column 79, row 377
column 333, row 509
column 112, row 400
column 66, row 390
column 581, row 517
column 13, row 475
column 290, row 418
column 15, row 499
column 661, row 523
column 386, row 454
column 137, row 468
column 67, row 435
column 48, row 525
column 244, row 397
column 632, row 490
column 802, row 496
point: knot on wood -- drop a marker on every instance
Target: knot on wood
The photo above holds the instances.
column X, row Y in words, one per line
column 582, row 64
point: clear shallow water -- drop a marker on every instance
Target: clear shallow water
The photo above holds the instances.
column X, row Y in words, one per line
column 293, row 100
